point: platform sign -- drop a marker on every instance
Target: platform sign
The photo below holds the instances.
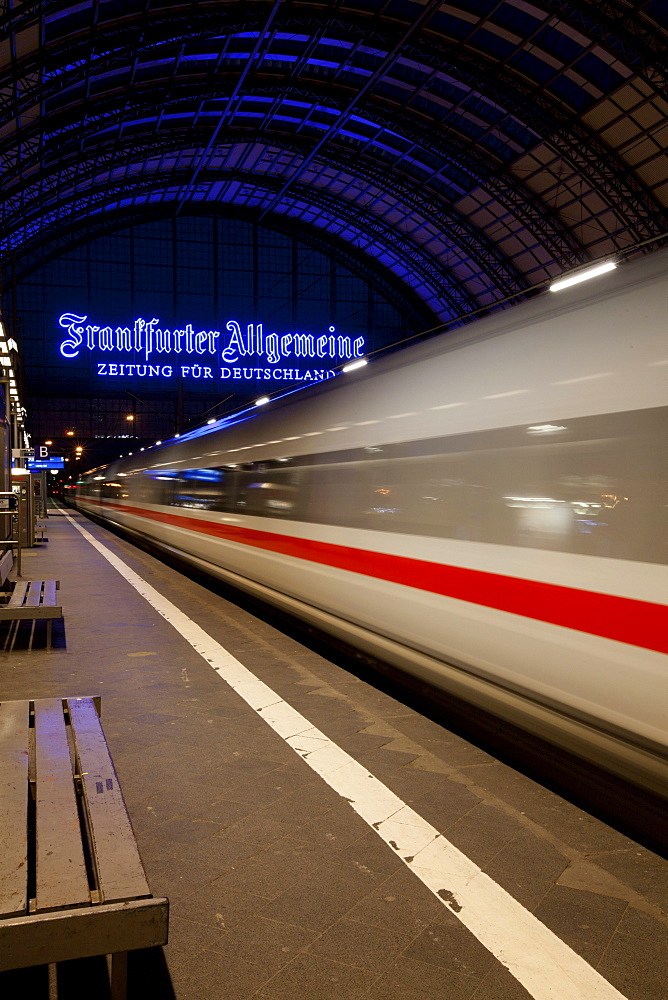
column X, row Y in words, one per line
column 37, row 465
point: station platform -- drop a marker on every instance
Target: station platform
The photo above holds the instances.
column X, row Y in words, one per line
column 279, row 889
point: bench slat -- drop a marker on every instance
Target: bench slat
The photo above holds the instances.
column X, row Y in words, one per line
column 119, row 868
column 61, row 870
column 14, row 752
column 50, row 592
column 34, row 597
column 18, row 594
column 89, row 930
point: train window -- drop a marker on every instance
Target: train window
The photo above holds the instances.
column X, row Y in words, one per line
column 197, row 489
column 266, row 491
column 584, row 485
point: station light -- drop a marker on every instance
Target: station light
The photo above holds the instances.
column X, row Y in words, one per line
column 578, row 276
column 212, row 421
column 355, row 364
column 5, row 360
column 48, row 442
column 262, row 401
column 130, row 416
column 69, row 434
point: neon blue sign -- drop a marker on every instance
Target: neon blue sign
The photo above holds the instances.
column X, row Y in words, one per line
column 236, row 354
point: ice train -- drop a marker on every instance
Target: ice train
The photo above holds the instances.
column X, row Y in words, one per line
column 485, row 510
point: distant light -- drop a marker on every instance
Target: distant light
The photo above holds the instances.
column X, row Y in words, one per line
column 355, row 364
column 48, row 442
column 130, row 416
column 575, row 279
column 212, row 421
column 69, row 434
column 158, row 442
column 262, row 400
column 177, row 435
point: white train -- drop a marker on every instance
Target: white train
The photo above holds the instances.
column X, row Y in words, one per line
column 486, row 510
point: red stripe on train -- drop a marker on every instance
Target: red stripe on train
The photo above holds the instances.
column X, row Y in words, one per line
column 639, row 623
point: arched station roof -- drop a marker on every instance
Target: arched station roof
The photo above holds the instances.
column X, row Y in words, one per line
column 470, row 150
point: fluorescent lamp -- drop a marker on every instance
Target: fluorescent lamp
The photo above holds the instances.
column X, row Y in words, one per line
column 575, row 279
column 262, row 400
column 355, row 364
column 212, row 421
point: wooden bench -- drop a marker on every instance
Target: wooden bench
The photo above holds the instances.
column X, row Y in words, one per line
column 29, row 599
column 72, row 883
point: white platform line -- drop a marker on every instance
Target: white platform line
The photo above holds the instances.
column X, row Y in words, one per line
column 546, row 967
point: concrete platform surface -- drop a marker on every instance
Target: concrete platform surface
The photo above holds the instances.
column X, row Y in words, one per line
column 279, row 890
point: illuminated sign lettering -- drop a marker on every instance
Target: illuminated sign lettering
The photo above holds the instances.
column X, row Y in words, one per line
column 249, row 354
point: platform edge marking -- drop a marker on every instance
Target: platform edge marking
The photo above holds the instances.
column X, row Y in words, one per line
column 544, row 964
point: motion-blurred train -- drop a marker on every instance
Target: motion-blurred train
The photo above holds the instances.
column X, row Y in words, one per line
column 486, row 510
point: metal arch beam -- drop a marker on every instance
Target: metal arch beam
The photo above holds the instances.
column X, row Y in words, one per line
column 529, row 209
column 485, row 254
column 206, row 154
column 428, row 9
column 85, row 230
column 425, row 268
column 612, row 176
column 638, row 38
column 454, row 298
column 535, row 213
column 616, row 186
column 355, row 22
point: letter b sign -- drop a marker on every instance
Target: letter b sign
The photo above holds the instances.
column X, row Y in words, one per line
column 42, row 452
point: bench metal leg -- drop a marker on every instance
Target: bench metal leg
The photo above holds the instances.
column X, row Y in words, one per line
column 119, row 975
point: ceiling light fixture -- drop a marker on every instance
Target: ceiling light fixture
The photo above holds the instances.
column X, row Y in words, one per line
column 578, row 276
